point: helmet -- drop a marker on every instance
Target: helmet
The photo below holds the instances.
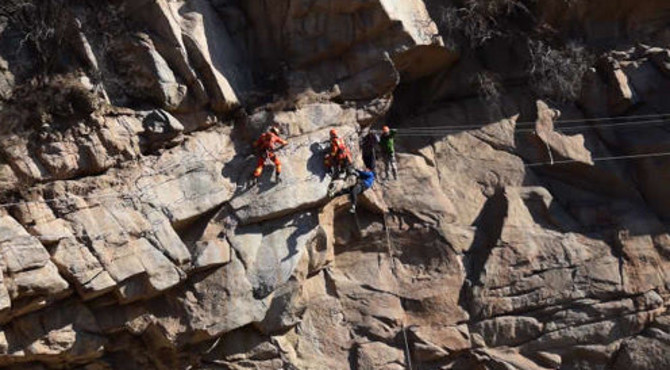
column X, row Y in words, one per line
column 274, row 130
column 333, row 133
column 386, row 129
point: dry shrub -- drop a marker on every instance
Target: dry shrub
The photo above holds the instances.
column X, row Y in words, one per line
column 557, row 73
column 477, row 21
column 488, row 86
column 56, row 100
column 41, row 24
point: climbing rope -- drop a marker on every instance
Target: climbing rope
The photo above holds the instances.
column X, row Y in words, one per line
column 407, row 352
column 389, row 249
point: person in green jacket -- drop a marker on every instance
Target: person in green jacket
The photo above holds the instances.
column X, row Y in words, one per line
column 387, row 143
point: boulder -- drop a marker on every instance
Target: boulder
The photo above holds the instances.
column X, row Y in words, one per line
column 161, row 127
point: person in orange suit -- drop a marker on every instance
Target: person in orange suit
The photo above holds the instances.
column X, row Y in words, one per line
column 266, row 145
column 339, row 158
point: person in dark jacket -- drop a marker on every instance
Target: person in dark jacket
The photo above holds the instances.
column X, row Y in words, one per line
column 364, row 182
column 370, row 142
column 387, row 143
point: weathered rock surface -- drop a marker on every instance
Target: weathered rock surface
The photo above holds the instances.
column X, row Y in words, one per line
column 131, row 235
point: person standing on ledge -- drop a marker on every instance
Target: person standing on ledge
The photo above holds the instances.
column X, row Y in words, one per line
column 266, row 146
column 370, row 142
column 338, row 161
column 387, row 143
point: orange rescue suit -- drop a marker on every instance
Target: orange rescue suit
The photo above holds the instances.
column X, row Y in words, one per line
column 339, row 153
column 267, row 144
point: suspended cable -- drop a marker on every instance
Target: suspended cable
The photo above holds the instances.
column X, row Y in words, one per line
column 442, row 132
column 389, row 250
column 605, row 126
column 529, row 123
column 602, row 159
column 197, row 160
column 523, row 129
column 125, row 196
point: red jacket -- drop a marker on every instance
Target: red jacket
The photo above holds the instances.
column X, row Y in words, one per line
column 269, row 141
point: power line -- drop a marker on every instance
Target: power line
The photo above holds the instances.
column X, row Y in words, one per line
column 214, row 159
column 442, row 132
column 602, row 159
column 607, row 126
column 142, row 190
column 529, row 123
column 523, row 129
column 613, row 118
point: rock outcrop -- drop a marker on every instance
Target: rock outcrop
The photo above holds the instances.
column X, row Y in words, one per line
column 525, row 234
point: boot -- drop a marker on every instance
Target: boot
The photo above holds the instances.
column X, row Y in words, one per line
column 352, row 210
column 277, row 178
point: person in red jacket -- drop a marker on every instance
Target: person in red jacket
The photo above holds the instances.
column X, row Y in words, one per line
column 339, row 158
column 266, row 145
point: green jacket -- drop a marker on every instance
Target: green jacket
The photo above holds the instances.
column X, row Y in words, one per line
column 387, row 142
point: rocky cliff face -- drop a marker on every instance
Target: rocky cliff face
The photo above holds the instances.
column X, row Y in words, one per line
column 131, row 237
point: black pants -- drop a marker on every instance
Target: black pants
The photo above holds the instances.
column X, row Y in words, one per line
column 355, row 191
column 369, row 160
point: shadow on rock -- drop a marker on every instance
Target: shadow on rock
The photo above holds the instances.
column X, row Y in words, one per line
column 304, row 224
column 489, row 226
column 315, row 163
